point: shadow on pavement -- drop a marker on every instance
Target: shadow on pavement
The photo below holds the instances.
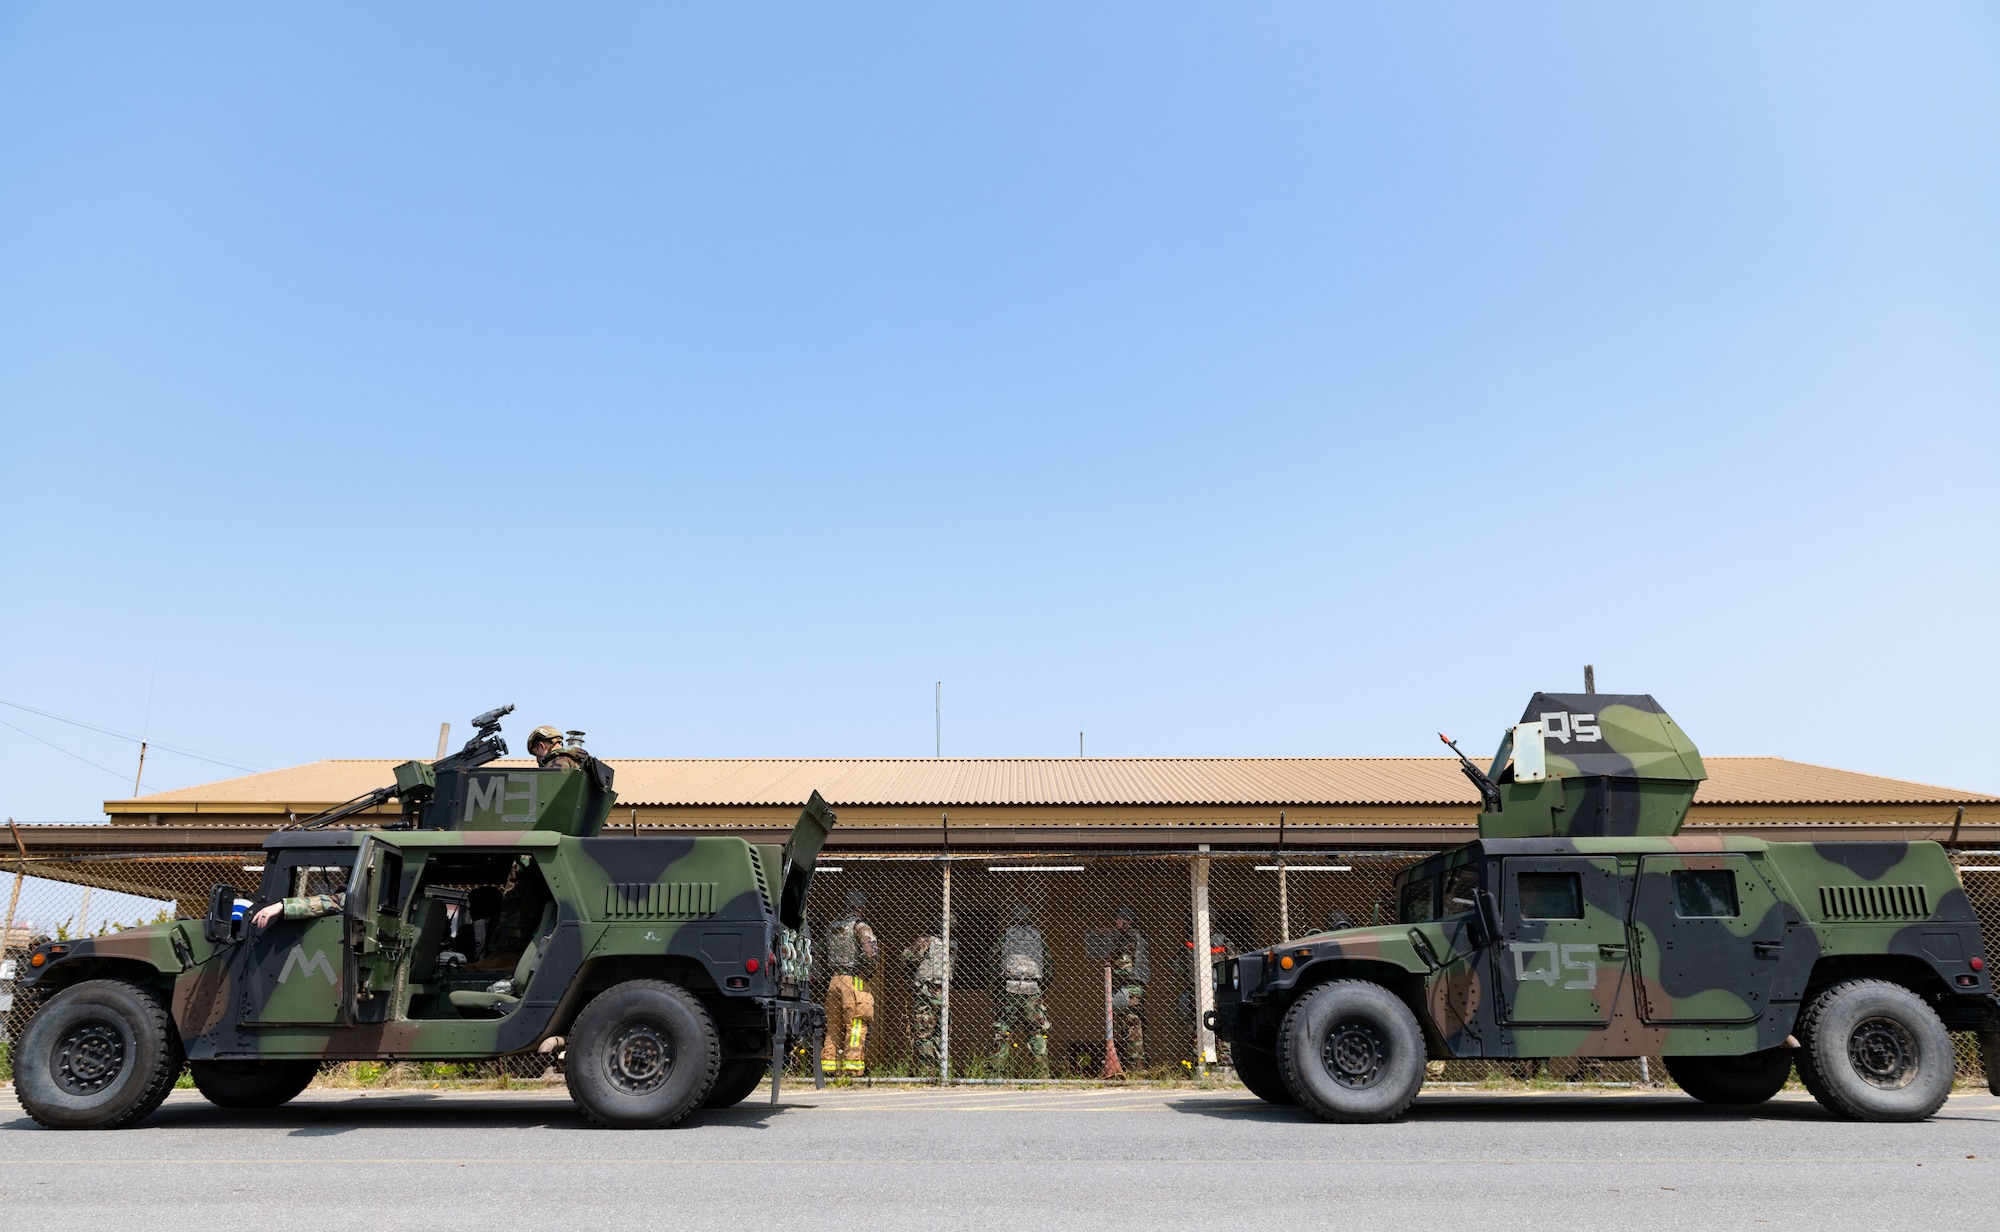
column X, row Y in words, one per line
column 430, row 1111
column 1445, row 1108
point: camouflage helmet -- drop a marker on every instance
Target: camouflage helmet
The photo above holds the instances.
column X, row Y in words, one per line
column 1023, row 912
column 1127, row 913
column 856, row 900
column 545, row 732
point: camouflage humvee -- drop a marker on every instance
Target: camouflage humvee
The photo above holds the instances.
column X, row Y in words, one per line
column 498, row 917
column 1582, row 923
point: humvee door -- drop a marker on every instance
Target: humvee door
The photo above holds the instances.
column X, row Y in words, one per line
column 295, row 971
column 1562, row 956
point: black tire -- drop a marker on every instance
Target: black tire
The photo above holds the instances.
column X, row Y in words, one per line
column 642, row 1055
column 1259, row 1071
column 251, row 1084
column 1873, row 1051
column 1351, row 1051
column 100, row 1055
column 1749, row 1079
column 736, row 1080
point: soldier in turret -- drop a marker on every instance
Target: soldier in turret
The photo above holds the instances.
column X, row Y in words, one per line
column 1130, row 971
column 1023, row 965
column 853, row 960
column 929, row 967
column 545, row 745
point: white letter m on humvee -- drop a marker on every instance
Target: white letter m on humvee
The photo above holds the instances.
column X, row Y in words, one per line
column 318, row 962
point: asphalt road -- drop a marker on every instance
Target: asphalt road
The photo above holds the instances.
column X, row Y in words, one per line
column 1005, row 1159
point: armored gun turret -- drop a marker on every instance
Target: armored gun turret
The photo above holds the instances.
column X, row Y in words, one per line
column 1592, row 765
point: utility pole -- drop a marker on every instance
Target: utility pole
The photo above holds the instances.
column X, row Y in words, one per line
column 444, row 736
column 142, row 768
column 937, row 703
column 950, row 968
column 1079, row 744
column 1589, row 679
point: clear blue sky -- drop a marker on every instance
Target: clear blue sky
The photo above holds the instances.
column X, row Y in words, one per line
column 1297, row 381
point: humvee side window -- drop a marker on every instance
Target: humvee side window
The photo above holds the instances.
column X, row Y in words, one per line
column 1419, row 902
column 320, row 879
column 1704, row 893
column 1459, row 884
column 1550, row 896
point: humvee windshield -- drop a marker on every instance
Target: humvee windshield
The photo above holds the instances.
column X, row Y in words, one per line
column 1459, row 884
column 1419, row 902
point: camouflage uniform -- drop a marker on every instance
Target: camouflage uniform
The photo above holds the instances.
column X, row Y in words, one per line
column 928, row 970
column 563, row 759
column 313, row 906
column 1218, row 949
column 854, row 957
column 521, row 904
column 1130, row 970
column 1022, row 968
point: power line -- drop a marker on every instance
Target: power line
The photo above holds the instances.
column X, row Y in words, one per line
column 128, row 736
column 65, row 752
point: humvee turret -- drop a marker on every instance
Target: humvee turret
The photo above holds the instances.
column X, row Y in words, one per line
column 498, row 916
column 1584, row 923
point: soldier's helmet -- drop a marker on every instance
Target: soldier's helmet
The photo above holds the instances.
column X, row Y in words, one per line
column 1128, row 914
column 546, row 733
column 856, row 900
column 1023, row 913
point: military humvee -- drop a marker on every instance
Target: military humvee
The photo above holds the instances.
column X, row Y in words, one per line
column 674, row 968
column 1583, row 923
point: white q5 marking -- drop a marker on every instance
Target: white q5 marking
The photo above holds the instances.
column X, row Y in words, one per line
column 318, row 962
column 1561, row 958
column 1562, row 725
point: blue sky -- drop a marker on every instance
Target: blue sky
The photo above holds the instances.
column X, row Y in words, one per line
column 1292, row 382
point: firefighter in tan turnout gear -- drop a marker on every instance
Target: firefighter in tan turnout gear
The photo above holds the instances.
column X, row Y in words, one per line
column 853, row 961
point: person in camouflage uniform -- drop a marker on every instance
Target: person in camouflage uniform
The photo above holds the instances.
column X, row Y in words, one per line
column 853, row 959
column 928, row 966
column 522, row 897
column 1023, row 965
column 306, row 907
column 1130, row 971
column 545, row 745
column 1191, row 971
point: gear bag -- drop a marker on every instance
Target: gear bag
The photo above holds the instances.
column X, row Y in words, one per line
column 1021, row 958
column 932, row 968
column 843, row 952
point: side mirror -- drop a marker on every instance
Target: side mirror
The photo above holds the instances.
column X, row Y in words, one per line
column 224, row 923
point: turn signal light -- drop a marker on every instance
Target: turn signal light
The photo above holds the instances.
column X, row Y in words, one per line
column 751, row 965
column 1977, row 963
column 37, row 960
column 1286, row 962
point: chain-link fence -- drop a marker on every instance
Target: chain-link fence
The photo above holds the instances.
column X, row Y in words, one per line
column 1047, row 980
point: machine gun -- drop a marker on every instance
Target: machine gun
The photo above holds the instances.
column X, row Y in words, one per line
column 1489, row 795
column 486, row 745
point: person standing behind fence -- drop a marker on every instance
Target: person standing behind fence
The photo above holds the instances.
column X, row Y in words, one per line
column 1130, row 971
column 1023, row 965
column 854, row 960
column 929, row 967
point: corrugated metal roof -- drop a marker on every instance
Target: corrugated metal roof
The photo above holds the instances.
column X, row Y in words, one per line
column 1030, row 782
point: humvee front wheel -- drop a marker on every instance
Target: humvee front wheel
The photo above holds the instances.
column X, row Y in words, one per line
column 1873, row 1051
column 642, row 1055
column 100, row 1055
column 1259, row 1071
column 1749, row 1079
column 251, row 1084
column 1351, row 1051
column 735, row 1081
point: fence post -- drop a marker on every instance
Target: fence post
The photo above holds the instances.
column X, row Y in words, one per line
column 950, row 968
column 1202, row 969
column 1284, row 902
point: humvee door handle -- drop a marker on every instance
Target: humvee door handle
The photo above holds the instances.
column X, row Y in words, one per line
column 1768, row 949
column 1611, row 952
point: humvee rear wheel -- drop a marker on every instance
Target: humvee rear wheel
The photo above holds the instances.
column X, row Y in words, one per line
column 1750, row 1079
column 642, row 1055
column 1259, row 1071
column 736, row 1080
column 1873, row 1051
column 100, row 1055
column 251, row 1084
column 1351, row 1051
